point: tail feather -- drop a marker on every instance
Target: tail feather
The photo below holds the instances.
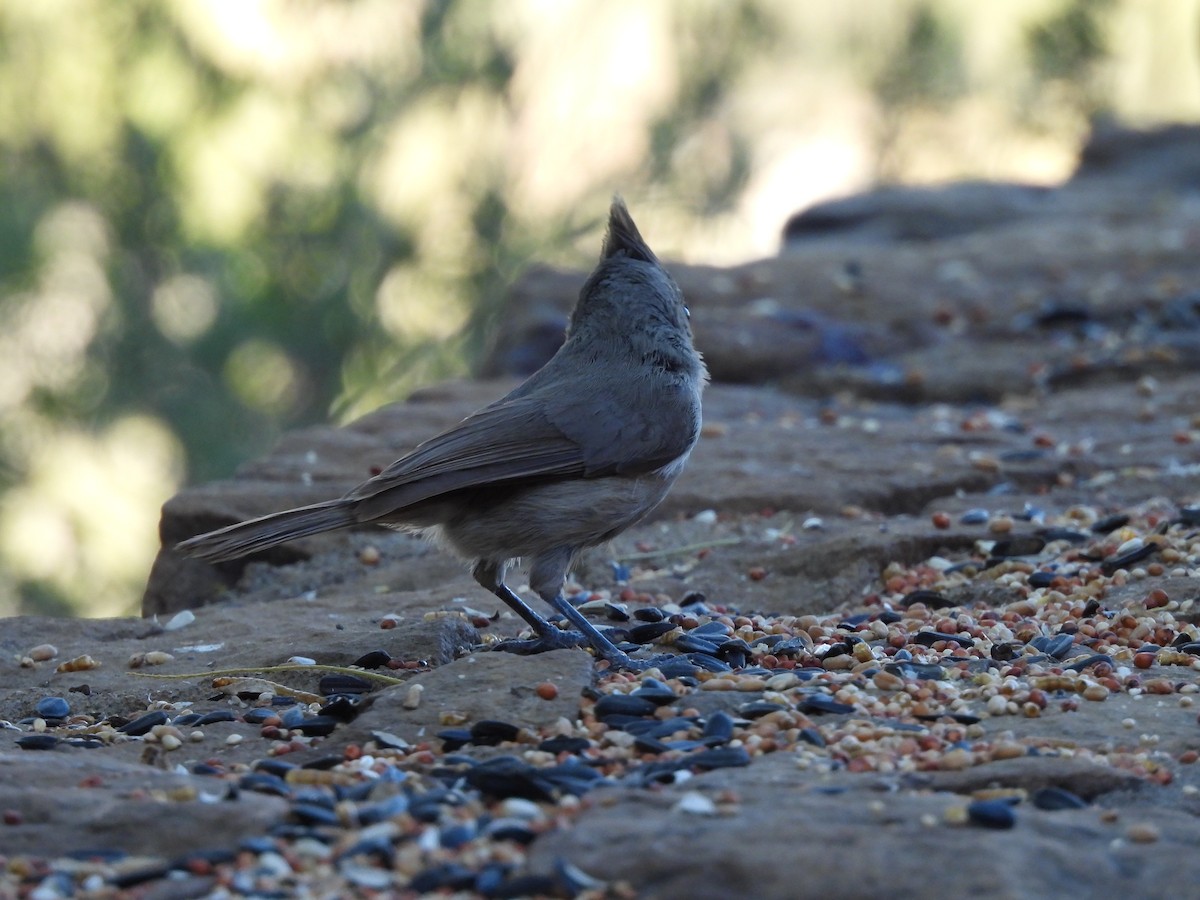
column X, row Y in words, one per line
column 259, row 534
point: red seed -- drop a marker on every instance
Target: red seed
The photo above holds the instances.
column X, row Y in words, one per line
column 547, row 690
column 12, row 817
column 940, row 520
column 757, row 573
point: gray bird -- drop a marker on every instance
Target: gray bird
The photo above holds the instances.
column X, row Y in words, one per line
column 584, row 448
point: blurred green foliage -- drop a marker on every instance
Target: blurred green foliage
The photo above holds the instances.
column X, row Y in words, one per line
column 1067, row 51
column 224, row 218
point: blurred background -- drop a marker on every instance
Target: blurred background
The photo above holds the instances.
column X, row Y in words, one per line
column 220, row 219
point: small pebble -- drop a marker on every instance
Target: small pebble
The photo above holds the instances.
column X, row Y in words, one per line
column 1143, row 833
column 1001, row 525
column 695, row 803
column 78, row 664
column 180, row 620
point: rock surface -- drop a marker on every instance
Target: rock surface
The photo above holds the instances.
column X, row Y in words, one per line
column 920, row 706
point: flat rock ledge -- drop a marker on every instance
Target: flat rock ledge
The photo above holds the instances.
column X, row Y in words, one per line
column 933, row 610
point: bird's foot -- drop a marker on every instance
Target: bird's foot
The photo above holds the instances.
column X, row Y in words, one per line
column 672, row 665
column 551, row 640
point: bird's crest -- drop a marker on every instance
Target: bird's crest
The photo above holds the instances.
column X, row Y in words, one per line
column 623, row 238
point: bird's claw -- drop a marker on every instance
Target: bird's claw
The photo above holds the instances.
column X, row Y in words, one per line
column 555, row 640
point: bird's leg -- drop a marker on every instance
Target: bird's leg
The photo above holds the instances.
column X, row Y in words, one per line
column 491, row 576
column 604, row 648
column 548, row 637
column 546, row 576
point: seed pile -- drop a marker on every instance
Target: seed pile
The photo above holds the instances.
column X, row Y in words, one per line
column 922, row 677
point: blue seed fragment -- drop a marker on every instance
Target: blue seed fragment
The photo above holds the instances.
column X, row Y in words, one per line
column 37, row 742
column 1042, row 579
column 564, row 744
column 143, row 724
column 719, row 728
column 931, row 599
column 1058, row 798
column 992, row 814
column 693, row 643
column 707, row 663
column 648, row 631
column 922, row 671
column 929, row 638
column 489, row 732
column 823, row 703
column 311, row 814
column 719, row 758
column 756, row 709
column 342, row 707
column 1058, row 646
column 712, row 628
column 341, row 683
column 655, row 691
column 264, row 783
column 373, row 660
column 454, row 739
column 1070, row 535
column 810, row 735
column 1080, row 664
column 1110, row 523
column 292, row 717
column 623, row 705
column 53, row 708
column 446, row 876
column 455, row 836
column 274, row 766
column 509, row 829
column 316, row 726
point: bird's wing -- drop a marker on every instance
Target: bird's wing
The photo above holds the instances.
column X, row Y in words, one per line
column 570, row 427
column 510, row 440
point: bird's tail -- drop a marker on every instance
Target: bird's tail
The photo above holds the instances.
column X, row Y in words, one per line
column 259, row 534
